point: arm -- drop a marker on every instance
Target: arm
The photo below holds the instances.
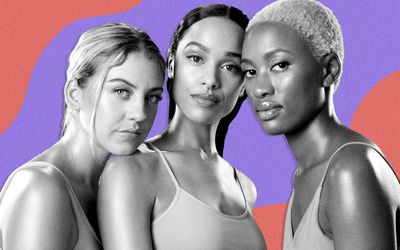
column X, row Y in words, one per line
column 358, row 204
column 125, row 204
column 36, row 212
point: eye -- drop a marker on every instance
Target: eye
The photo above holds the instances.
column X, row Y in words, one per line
column 195, row 58
column 249, row 73
column 281, row 66
column 154, row 98
column 231, row 67
column 123, row 93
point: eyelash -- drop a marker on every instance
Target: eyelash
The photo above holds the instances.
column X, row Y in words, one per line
column 246, row 75
column 198, row 59
column 157, row 98
column 281, row 66
column 123, row 93
column 195, row 58
column 233, row 69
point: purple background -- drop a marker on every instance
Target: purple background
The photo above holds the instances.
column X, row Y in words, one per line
column 371, row 35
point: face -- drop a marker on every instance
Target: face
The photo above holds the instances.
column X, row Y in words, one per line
column 282, row 78
column 207, row 75
column 127, row 105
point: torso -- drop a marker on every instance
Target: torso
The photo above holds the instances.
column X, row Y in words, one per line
column 306, row 225
column 204, row 208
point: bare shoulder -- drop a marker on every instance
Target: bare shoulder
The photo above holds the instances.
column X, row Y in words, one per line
column 43, row 182
column 360, row 190
column 361, row 166
column 130, row 175
column 139, row 167
column 37, row 202
column 249, row 188
column 126, row 197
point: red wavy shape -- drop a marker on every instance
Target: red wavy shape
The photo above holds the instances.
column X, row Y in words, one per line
column 27, row 27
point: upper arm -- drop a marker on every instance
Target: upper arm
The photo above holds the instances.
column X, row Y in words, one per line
column 359, row 209
column 249, row 189
column 36, row 208
column 125, row 204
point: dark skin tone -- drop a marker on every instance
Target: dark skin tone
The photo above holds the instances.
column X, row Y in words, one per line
column 292, row 93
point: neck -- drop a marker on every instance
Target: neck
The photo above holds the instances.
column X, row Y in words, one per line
column 84, row 163
column 311, row 142
column 186, row 134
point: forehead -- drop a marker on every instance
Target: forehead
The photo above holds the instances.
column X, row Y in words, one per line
column 265, row 37
column 139, row 69
column 214, row 31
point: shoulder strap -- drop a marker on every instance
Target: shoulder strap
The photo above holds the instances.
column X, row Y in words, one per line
column 166, row 164
column 235, row 175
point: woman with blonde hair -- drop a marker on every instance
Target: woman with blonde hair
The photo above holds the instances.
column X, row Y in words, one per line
column 114, row 83
column 345, row 196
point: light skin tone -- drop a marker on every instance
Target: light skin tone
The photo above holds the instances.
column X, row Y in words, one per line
column 37, row 206
column 292, row 94
column 207, row 84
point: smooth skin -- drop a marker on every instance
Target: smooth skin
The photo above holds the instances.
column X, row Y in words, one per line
column 360, row 200
column 36, row 211
column 134, row 190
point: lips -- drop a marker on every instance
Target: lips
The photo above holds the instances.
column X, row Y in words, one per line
column 130, row 131
column 206, row 100
column 268, row 110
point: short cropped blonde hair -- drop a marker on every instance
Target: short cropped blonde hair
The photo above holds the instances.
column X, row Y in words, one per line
column 314, row 22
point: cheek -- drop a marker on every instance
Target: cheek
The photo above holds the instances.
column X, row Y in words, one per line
column 151, row 112
column 181, row 89
column 107, row 115
column 231, row 95
column 186, row 74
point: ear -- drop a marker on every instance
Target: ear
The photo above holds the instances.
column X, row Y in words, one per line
column 73, row 95
column 331, row 69
column 171, row 64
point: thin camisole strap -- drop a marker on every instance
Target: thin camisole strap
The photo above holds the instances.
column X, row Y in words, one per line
column 235, row 175
column 166, row 164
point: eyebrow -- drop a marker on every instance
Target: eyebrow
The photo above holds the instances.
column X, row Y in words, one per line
column 268, row 54
column 202, row 47
column 124, row 81
column 132, row 85
column 234, row 54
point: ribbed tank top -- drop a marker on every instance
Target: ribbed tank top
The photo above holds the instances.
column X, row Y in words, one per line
column 309, row 234
column 87, row 239
column 189, row 223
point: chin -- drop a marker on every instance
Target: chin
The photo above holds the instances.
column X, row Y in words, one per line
column 205, row 119
column 124, row 148
column 273, row 128
column 272, row 131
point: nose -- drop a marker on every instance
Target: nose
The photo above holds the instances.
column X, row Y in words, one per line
column 136, row 109
column 262, row 87
column 210, row 78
